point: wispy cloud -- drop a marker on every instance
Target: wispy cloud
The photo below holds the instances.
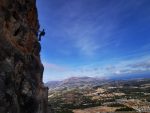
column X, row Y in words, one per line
column 92, row 31
column 87, row 46
column 132, row 66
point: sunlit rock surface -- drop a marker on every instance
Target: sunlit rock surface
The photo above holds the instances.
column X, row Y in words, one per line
column 21, row 70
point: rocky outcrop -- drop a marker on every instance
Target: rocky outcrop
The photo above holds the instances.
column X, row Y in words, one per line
column 21, row 70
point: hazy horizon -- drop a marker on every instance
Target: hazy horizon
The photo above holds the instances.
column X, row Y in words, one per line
column 94, row 38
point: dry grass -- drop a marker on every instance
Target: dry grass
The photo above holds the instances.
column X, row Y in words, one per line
column 96, row 110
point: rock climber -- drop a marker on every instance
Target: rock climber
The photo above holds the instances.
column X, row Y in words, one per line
column 42, row 33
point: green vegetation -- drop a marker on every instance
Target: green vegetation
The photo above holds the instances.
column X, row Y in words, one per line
column 65, row 111
column 77, row 103
column 116, row 105
column 147, row 98
column 125, row 109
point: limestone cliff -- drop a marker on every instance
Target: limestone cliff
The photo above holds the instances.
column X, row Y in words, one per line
column 21, row 70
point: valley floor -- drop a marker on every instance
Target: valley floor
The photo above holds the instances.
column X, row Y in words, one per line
column 114, row 96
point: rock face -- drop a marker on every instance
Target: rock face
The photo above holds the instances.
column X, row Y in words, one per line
column 21, row 70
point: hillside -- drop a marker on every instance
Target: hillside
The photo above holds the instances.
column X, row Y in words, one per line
column 74, row 82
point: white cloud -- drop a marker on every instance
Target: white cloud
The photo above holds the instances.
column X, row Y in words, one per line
column 87, row 46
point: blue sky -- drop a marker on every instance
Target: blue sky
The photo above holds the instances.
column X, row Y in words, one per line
column 94, row 37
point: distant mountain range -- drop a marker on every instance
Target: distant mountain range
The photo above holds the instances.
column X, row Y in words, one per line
column 83, row 82
column 74, row 82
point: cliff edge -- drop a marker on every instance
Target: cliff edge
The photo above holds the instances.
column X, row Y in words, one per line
column 21, row 70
